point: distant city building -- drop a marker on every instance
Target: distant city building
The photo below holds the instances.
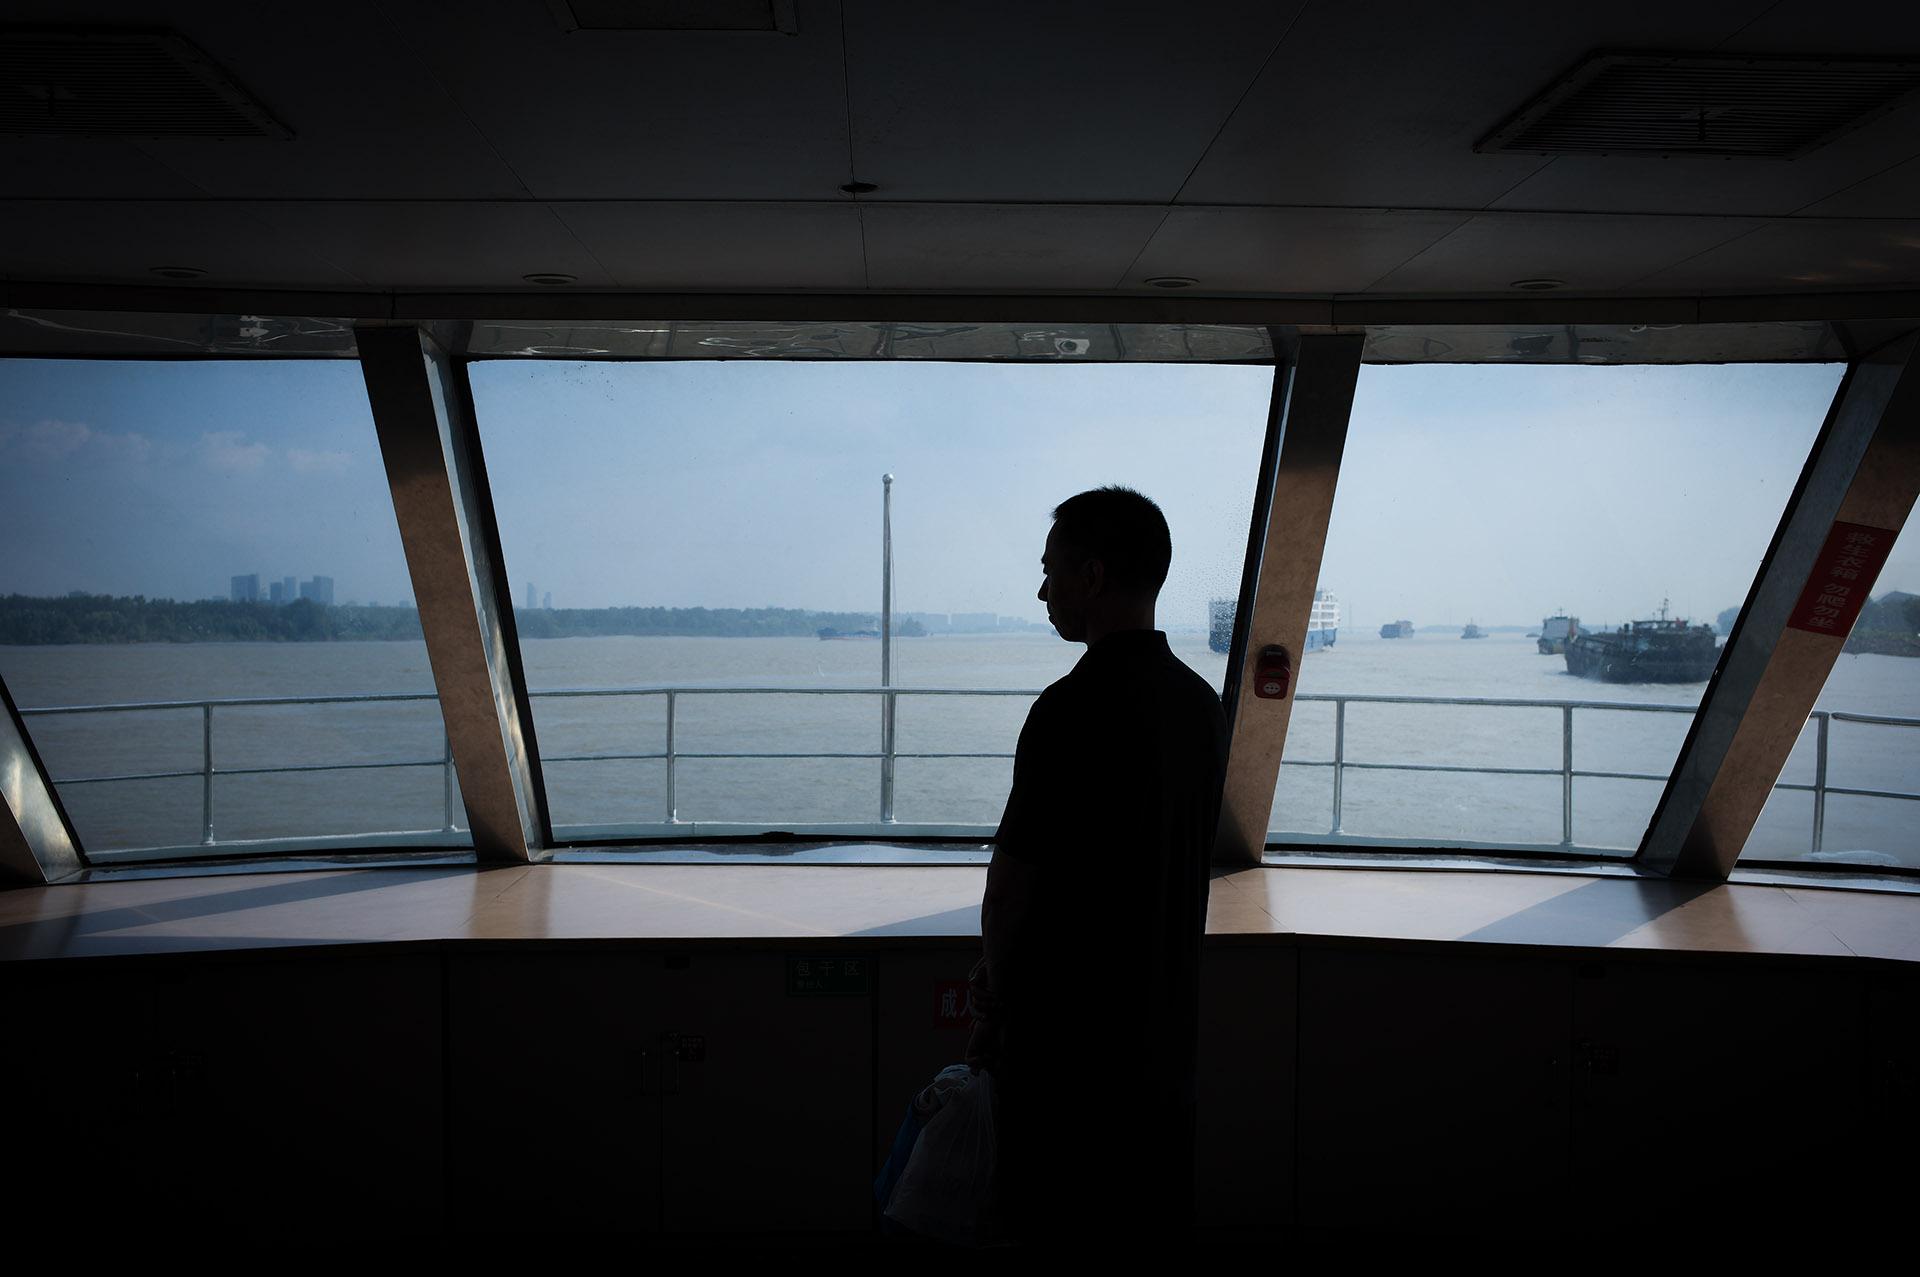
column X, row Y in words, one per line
column 931, row 622
column 320, row 590
column 277, row 593
column 246, row 589
column 973, row 622
column 546, row 600
column 533, row 600
column 290, row 586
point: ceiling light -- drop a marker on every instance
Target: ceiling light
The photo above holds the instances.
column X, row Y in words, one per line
column 551, row 279
column 1538, row 285
column 1173, row 281
column 176, row 272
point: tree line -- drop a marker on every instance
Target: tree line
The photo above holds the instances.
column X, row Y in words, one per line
column 100, row 618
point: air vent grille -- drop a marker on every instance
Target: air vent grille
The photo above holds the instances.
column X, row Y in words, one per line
column 1694, row 104
column 120, row 85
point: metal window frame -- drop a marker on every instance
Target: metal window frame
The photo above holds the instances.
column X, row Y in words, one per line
column 1864, row 468
column 422, row 404
column 1307, row 422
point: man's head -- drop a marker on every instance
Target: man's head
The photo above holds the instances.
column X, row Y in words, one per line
column 1105, row 562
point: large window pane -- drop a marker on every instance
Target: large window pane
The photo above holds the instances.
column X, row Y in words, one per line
column 188, row 535
column 688, row 528
column 1486, row 505
column 1834, row 803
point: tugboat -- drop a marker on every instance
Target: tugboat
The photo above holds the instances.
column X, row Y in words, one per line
column 1397, row 629
column 1661, row 650
column 1323, row 626
column 1473, row 631
column 1556, row 632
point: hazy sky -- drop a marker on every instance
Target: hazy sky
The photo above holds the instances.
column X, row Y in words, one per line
column 1497, row 493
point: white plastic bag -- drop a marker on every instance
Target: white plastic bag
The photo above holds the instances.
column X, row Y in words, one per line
column 946, row 1191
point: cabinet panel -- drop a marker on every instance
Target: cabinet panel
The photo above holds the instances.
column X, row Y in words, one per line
column 1244, row 1137
column 919, row 1033
column 1703, row 1084
column 767, row 1096
column 1432, row 1092
column 555, row 1077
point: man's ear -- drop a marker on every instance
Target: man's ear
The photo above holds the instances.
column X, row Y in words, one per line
column 1095, row 572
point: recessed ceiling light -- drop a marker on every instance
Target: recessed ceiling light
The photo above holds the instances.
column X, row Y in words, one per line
column 176, row 272
column 1538, row 285
column 551, row 279
column 1173, row 281
column 859, row 188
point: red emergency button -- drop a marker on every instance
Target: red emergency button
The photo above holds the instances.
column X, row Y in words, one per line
column 1272, row 673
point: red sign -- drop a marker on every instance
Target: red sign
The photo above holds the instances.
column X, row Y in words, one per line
column 1842, row 577
column 952, row 1005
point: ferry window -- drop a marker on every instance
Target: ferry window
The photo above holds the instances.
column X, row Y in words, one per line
column 699, row 544
column 1839, row 802
column 1538, row 565
column 205, row 615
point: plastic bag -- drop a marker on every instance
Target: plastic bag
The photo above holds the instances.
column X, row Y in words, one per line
column 947, row 1191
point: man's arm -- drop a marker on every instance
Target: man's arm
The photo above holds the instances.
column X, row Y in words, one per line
column 1005, row 916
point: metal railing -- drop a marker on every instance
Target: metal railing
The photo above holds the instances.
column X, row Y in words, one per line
column 888, row 752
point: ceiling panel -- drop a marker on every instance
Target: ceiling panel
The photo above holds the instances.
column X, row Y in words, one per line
column 1362, row 106
column 1270, row 250
column 645, row 115
column 122, row 241
column 1076, row 102
column 738, row 246
column 1012, row 247
column 438, row 245
column 1589, row 252
column 1802, row 255
column 53, row 168
column 1894, row 192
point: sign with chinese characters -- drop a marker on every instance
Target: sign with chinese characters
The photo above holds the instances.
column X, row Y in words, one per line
column 828, row 977
column 1841, row 579
column 952, row 1005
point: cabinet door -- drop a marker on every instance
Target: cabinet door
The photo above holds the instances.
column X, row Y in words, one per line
column 1433, row 1091
column 1244, row 1125
column 301, row 1085
column 768, row 1099
column 554, row 1077
column 924, row 1027
column 1706, row 1086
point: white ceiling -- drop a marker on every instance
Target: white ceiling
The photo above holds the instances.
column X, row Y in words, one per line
column 1307, row 149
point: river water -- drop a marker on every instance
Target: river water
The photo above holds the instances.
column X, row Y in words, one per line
column 1375, row 803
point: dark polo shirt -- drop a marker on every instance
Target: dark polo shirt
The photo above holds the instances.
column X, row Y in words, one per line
column 1116, row 795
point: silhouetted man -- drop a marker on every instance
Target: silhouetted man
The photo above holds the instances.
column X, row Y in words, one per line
column 1097, row 898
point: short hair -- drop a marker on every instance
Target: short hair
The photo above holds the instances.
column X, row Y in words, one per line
column 1124, row 530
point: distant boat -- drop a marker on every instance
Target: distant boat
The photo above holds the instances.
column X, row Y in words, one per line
column 1323, row 624
column 1555, row 632
column 1661, row 650
column 1473, row 631
column 1397, row 629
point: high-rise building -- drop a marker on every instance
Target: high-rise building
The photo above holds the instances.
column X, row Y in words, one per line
column 320, row 590
column 533, row 600
column 546, row 600
column 246, row 589
column 277, row 593
column 291, row 587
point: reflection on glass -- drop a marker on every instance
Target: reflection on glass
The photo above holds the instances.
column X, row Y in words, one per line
column 1836, row 800
column 1538, row 565
column 205, row 615
column 679, row 536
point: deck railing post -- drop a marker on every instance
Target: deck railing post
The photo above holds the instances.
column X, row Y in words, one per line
column 1339, row 757
column 886, row 756
column 446, row 780
column 1820, row 720
column 673, row 807
column 206, row 775
column 1566, row 775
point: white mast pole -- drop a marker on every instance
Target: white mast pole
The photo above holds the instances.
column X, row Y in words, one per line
column 886, row 648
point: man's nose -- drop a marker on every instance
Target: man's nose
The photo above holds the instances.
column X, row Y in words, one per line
column 1042, row 595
